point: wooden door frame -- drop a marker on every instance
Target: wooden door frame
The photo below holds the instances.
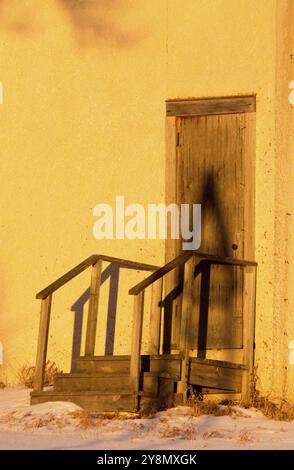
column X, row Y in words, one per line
column 175, row 110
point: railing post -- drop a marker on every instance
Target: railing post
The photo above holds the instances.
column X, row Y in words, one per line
column 42, row 343
column 135, row 366
column 93, row 309
column 155, row 317
column 185, row 323
column 249, row 300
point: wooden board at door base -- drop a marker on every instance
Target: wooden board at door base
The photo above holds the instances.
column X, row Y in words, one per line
column 210, row 161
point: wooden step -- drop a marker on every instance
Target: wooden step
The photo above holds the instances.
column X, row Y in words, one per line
column 103, row 364
column 167, row 364
column 216, row 362
column 115, row 383
column 91, row 401
column 216, row 374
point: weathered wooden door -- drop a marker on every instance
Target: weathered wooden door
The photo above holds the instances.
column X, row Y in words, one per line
column 210, row 161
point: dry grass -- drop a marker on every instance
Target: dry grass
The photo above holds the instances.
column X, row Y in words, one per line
column 26, row 374
column 48, row 420
column 120, row 415
column 2, row 384
column 245, row 437
column 87, row 420
column 279, row 410
column 148, row 410
column 79, row 420
column 200, row 407
column 282, row 411
column 188, row 431
column 84, row 419
column 42, row 421
column 212, row 435
column 7, row 419
column 168, row 430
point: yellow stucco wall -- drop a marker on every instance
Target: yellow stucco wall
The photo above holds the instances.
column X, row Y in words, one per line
column 282, row 357
column 83, row 120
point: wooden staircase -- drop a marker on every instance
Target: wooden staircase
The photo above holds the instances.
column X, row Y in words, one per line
column 130, row 383
column 102, row 383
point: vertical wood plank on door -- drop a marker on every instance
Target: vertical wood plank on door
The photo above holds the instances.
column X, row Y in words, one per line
column 249, row 185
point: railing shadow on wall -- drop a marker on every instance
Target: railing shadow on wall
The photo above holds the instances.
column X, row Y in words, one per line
column 111, row 272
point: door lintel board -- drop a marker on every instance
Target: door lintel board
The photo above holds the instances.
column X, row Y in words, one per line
column 206, row 106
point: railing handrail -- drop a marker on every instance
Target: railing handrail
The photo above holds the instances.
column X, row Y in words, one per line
column 90, row 261
column 181, row 259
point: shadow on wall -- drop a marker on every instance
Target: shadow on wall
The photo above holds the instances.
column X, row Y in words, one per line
column 102, row 21
column 94, row 22
column 111, row 272
column 17, row 17
column 217, row 296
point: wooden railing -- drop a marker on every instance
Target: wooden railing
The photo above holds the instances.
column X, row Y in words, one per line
column 46, row 297
column 190, row 260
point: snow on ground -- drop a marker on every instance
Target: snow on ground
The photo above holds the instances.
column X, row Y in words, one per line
column 61, row 425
